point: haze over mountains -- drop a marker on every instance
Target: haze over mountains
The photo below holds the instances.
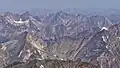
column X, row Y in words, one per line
column 61, row 35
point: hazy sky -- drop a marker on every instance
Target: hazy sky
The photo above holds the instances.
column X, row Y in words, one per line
column 16, row 5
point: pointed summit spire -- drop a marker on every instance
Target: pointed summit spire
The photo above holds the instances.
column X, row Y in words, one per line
column 25, row 16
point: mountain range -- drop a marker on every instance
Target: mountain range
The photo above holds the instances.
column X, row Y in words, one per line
column 92, row 38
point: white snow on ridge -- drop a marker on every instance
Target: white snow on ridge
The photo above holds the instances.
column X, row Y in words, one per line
column 107, row 47
column 104, row 28
column 41, row 66
column 21, row 22
column 118, row 37
column 103, row 38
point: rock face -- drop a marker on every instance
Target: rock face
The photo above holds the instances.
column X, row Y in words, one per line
column 93, row 39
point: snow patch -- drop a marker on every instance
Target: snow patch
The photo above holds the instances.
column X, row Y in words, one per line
column 41, row 66
column 103, row 38
column 55, row 55
column 102, row 55
column 104, row 28
column 107, row 37
column 4, row 47
column 96, row 50
column 107, row 46
column 21, row 22
column 61, row 59
column 113, row 59
column 118, row 37
column 111, row 51
column 20, row 54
